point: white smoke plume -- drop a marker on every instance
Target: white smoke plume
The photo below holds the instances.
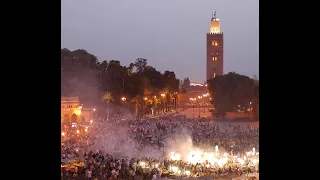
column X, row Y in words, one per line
column 180, row 143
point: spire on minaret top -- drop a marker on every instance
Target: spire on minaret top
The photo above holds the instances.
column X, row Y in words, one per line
column 214, row 15
column 215, row 23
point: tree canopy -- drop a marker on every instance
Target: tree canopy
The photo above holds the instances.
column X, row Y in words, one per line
column 230, row 91
column 83, row 75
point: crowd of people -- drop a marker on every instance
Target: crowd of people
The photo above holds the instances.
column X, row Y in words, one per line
column 127, row 148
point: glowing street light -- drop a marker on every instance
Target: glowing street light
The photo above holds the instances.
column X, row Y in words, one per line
column 94, row 109
column 163, row 95
column 199, row 97
column 91, row 121
column 62, row 133
column 123, row 99
column 86, row 130
column 145, row 98
column 78, row 131
column 155, row 96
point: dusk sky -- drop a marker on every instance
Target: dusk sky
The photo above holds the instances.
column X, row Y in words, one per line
column 170, row 34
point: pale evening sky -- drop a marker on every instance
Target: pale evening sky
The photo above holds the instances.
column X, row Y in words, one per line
column 170, row 34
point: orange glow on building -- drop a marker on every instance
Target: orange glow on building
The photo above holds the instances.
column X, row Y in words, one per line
column 72, row 111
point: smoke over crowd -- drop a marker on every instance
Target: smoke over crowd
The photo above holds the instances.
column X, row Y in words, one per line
column 123, row 147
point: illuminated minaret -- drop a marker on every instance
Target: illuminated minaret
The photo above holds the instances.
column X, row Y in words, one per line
column 214, row 49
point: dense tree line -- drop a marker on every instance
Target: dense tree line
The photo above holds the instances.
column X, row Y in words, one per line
column 255, row 102
column 84, row 76
column 231, row 91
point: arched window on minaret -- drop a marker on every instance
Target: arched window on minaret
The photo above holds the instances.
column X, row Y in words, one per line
column 214, row 43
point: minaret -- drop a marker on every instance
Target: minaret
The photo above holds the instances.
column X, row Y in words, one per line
column 214, row 48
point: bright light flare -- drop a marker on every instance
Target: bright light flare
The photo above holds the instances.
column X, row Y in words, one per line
column 78, row 131
column 195, row 157
column 142, row 164
column 187, row 172
column 255, row 161
column 241, row 161
column 175, row 156
column 62, row 133
column 174, row 169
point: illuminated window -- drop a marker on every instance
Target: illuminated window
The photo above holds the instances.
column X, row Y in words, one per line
column 214, row 74
column 214, row 43
column 214, row 58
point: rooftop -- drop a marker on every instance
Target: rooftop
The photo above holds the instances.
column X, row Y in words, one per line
column 70, row 99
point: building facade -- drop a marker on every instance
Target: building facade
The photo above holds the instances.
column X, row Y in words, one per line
column 72, row 111
column 214, row 49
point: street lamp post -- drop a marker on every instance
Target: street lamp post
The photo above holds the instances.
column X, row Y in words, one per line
column 124, row 99
column 163, row 105
column 143, row 104
column 193, row 111
column 153, row 106
column 204, row 106
column 193, row 105
column 199, row 97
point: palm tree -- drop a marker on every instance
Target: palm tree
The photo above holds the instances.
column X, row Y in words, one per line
column 107, row 97
column 136, row 102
